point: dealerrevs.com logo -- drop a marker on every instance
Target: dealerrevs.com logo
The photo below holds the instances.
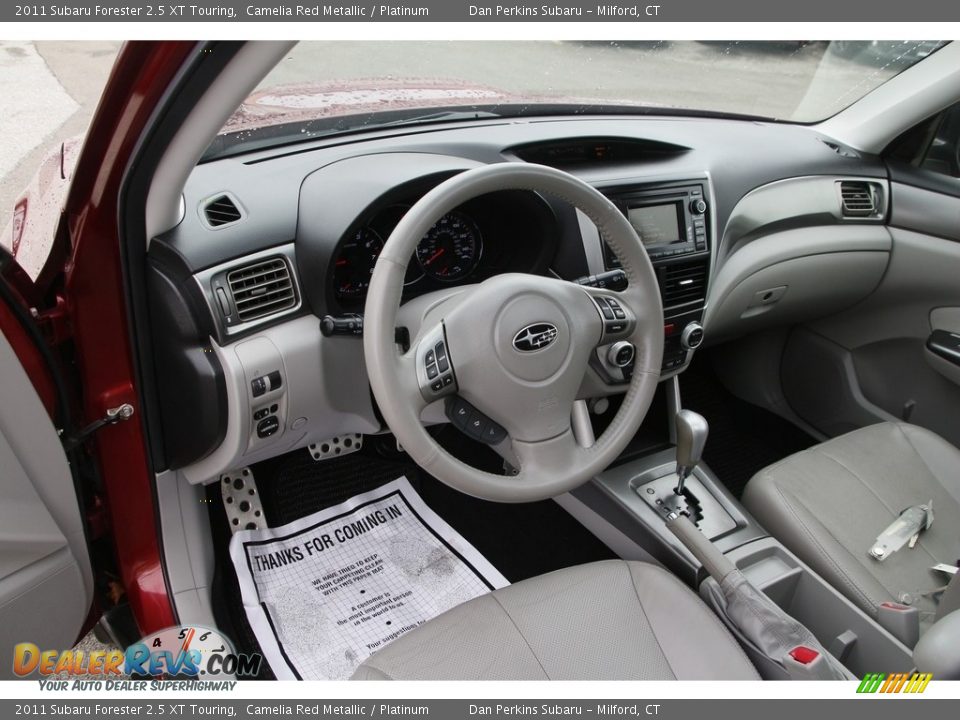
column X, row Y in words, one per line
column 179, row 652
column 894, row 683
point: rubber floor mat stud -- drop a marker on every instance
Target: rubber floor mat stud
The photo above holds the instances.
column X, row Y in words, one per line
column 336, row 446
column 241, row 500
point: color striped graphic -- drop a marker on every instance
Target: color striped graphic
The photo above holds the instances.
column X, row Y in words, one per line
column 895, row 683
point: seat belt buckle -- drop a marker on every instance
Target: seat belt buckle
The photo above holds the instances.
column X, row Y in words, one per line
column 901, row 621
column 804, row 663
column 905, row 529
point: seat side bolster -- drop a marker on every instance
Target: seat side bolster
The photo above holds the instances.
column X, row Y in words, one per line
column 940, row 457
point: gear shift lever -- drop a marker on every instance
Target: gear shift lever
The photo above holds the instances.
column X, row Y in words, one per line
column 692, row 432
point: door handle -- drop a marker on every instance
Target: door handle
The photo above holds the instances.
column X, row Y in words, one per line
column 945, row 345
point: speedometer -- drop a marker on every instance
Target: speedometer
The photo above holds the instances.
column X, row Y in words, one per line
column 451, row 249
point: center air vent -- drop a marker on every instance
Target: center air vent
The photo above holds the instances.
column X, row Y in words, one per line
column 262, row 288
column 683, row 284
column 858, row 199
column 221, row 210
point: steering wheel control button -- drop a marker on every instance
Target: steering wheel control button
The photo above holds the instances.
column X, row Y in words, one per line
column 615, row 320
column 605, row 308
column 473, row 423
column 493, row 434
column 268, row 427
column 434, row 369
column 476, row 426
column 618, row 312
column 442, row 361
column 458, row 410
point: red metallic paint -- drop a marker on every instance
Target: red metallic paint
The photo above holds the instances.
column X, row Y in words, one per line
column 97, row 310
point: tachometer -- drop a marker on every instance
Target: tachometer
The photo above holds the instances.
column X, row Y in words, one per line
column 451, row 249
column 354, row 264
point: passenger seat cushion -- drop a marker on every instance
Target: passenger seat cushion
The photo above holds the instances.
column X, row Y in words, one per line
column 829, row 503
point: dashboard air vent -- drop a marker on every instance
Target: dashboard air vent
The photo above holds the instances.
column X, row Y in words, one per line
column 221, row 210
column 683, row 283
column 858, row 199
column 262, row 288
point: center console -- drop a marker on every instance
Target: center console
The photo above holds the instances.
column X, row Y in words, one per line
column 644, row 495
column 674, row 222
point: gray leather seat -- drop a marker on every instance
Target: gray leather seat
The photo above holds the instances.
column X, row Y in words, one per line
column 611, row 620
column 829, row 503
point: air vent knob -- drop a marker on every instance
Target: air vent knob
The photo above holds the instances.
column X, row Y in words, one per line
column 692, row 336
column 698, row 206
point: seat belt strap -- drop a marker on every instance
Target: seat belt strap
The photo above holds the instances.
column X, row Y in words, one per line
column 905, row 529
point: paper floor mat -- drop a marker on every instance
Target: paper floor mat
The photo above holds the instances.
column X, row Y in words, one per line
column 325, row 592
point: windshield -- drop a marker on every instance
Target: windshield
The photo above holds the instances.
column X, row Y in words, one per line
column 323, row 88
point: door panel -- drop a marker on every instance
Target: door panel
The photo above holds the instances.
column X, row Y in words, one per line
column 882, row 341
column 46, row 585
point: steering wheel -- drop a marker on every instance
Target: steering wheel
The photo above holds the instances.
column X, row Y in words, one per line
column 516, row 347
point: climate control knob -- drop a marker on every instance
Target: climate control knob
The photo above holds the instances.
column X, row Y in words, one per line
column 692, row 336
column 620, row 354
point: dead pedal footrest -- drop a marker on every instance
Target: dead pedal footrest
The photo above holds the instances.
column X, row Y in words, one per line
column 336, row 446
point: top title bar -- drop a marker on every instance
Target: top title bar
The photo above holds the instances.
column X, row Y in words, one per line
column 480, row 11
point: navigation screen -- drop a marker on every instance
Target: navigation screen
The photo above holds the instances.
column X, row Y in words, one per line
column 655, row 224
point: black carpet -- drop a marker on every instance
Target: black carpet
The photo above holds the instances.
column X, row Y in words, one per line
column 521, row 541
column 295, row 485
column 743, row 438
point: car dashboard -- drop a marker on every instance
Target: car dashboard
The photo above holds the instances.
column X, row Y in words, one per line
column 257, row 294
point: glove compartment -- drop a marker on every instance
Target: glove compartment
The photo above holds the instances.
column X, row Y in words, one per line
column 794, row 276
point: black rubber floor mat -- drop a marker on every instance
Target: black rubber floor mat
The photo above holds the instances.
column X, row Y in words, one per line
column 228, row 610
column 521, row 541
column 743, row 438
column 295, row 485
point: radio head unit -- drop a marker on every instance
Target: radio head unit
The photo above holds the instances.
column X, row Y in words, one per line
column 669, row 220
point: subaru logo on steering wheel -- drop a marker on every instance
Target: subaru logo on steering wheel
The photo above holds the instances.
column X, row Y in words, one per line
column 535, row 337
